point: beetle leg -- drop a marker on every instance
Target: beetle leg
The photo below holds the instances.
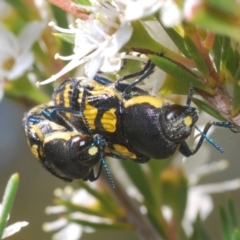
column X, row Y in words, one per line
column 53, row 114
column 144, row 73
column 91, row 176
column 102, row 80
column 185, row 150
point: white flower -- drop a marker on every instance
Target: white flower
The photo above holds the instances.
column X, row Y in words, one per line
column 69, row 230
column 15, row 55
column 134, row 10
column 97, row 40
column 200, row 203
column 13, row 228
column 199, row 200
column 171, row 14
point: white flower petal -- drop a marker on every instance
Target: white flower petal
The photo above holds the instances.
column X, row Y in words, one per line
column 197, row 203
column 84, row 197
column 72, row 231
column 219, row 187
column 111, row 64
column 171, row 14
column 140, row 8
column 90, row 218
column 10, row 230
column 119, row 38
column 167, row 213
column 30, row 34
column 8, row 43
column 55, row 209
column 55, row 225
column 22, row 64
column 17, row 49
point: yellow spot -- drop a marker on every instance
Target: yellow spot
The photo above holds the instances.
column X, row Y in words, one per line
column 100, row 89
column 188, row 121
column 34, row 149
column 60, row 135
column 66, row 97
column 155, row 102
column 57, row 99
column 90, row 114
column 93, row 151
column 124, row 151
column 68, row 115
column 109, row 120
column 38, row 132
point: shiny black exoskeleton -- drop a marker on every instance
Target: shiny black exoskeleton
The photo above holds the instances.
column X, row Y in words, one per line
column 66, row 153
column 118, row 119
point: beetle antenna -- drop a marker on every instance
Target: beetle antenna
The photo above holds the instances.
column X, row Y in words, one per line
column 190, row 94
column 107, row 172
column 101, row 143
column 210, row 140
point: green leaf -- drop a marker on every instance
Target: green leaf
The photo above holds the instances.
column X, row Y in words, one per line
column 98, row 225
column 8, row 199
column 226, row 225
column 230, row 6
column 208, row 109
column 217, row 22
column 173, row 85
column 84, row 2
column 232, row 213
column 179, row 71
column 230, row 59
column 236, row 94
column 69, row 38
column 174, row 191
column 178, row 40
column 136, row 173
column 196, row 56
column 217, row 51
column 61, row 18
column 236, row 235
column 156, row 168
column 21, row 8
column 141, row 180
column 199, row 233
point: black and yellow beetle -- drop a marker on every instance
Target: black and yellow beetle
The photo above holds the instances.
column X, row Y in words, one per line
column 62, row 150
column 113, row 118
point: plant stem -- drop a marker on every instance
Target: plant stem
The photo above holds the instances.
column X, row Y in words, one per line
column 222, row 102
column 67, row 6
column 143, row 227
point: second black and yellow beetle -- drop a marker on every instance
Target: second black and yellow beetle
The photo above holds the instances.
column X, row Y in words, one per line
column 61, row 149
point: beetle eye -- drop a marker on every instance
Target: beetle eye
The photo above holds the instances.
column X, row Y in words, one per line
column 174, row 111
column 80, row 143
